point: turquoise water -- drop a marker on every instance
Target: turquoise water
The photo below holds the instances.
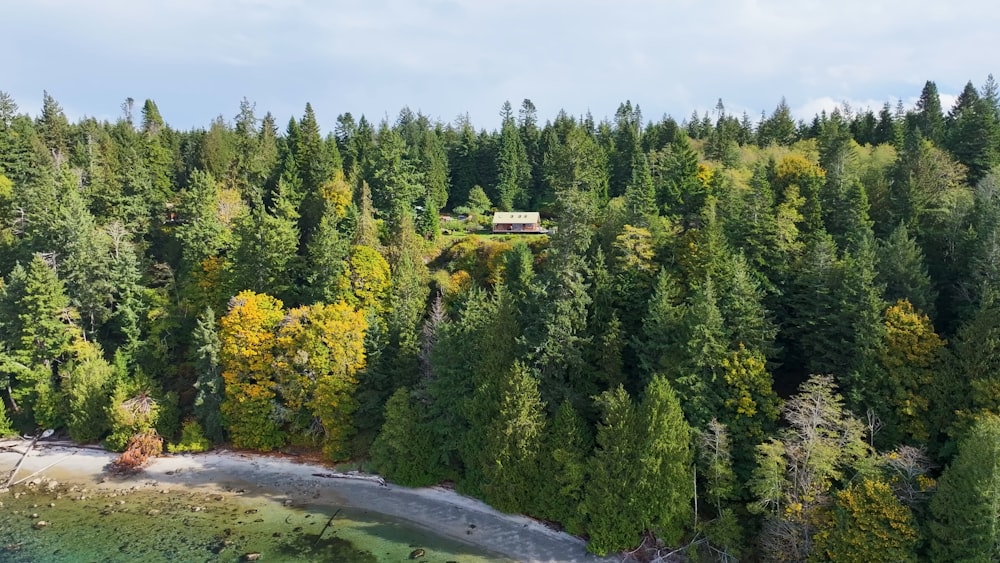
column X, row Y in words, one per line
column 84, row 525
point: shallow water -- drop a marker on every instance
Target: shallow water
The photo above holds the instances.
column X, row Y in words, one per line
column 91, row 524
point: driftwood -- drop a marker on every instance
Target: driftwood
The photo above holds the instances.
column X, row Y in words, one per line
column 21, row 461
column 353, row 475
column 23, row 479
column 328, row 523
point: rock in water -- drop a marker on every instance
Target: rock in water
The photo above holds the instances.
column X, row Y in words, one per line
column 417, row 554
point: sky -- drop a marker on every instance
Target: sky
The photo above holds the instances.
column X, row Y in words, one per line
column 197, row 59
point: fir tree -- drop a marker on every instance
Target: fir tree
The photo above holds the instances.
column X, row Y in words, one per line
column 965, row 523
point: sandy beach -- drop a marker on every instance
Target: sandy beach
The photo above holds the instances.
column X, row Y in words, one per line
column 286, row 480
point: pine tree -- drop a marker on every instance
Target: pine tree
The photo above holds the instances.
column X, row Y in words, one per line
column 965, row 524
column 514, row 169
column 158, row 158
column 665, row 461
column 87, row 387
column 779, row 128
column 615, row 511
column 973, row 133
column 902, row 271
column 929, row 118
column 575, row 164
column 563, row 466
column 514, row 444
column 403, row 451
column 675, row 174
column 640, row 194
column 206, row 349
column 559, row 341
column 626, row 149
column 661, row 340
column 54, row 129
column 265, row 252
column 640, row 474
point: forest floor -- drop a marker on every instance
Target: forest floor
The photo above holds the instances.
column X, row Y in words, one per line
column 291, row 481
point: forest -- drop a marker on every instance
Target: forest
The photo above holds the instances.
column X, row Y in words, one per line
column 742, row 339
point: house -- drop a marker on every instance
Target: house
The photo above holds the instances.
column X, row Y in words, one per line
column 517, row 222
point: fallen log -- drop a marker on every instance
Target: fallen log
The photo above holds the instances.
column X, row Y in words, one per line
column 23, row 479
column 353, row 475
column 20, row 462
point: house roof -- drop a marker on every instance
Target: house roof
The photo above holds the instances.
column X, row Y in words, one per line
column 501, row 217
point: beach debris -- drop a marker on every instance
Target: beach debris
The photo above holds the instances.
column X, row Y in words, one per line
column 328, row 523
column 356, row 475
column 417, row 553
column 17, row 467
column 251, row 556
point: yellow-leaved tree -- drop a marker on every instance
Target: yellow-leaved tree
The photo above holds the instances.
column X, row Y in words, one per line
column 320, row 350
column 912, row 357
column 247, row 335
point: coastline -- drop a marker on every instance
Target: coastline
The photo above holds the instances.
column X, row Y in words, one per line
column 289, row 481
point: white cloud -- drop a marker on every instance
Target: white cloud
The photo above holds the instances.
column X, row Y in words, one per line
column 451, row 56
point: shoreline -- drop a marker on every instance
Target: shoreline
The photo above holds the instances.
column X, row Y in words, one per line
column 289, row 481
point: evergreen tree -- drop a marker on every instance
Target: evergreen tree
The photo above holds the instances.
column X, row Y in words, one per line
column 640, row 194
column 640, row 476
column 86, row 384
column 929, row 118
column 779, row 128
column 575, row 164
column 627, row 151
column 265, row 252
column 661, row 340
column 514, row 176
column 54, row 129
column 615, row 512
column 206, row 348
column 902, row 271
column 560, row 340
column 973, row 133
column 403, row 450
column 514, row 444
column 965, row 524
column 38, row 333
column 679, row 190
column 665, row 463
column 396, row 183
column 563, row 466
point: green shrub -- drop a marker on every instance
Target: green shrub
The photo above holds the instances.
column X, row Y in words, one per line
column 192, row 439
column 132, row 411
